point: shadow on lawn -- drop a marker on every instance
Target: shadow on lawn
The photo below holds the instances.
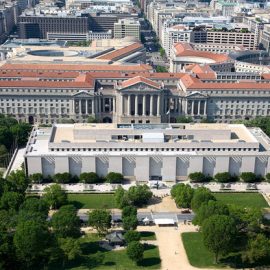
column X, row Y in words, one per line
column 235, row 261
column 145, row 234
column 76, row 204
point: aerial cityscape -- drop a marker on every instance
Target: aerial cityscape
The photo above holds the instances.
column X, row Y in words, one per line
column 134, row 134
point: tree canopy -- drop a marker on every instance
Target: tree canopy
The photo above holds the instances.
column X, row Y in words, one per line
column 218, row 234
column 55, row 196
column 100, row 220
column 65, row 222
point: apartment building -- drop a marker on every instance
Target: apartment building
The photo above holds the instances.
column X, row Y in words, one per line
column 127, row 28
column 166, row 152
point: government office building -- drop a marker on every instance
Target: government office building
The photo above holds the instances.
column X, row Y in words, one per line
column 48, row 94
column 143, row 152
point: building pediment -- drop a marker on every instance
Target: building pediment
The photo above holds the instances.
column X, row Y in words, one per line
column 140, row 87
column 83, row 94
column 196, row 95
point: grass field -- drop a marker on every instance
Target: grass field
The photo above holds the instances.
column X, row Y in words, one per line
column 252, row 200
column 148, row 236
column 198, row 255
column 92, row 201
column 97, row 258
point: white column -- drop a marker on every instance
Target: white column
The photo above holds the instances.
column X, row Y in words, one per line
column 92, row 106
column 192, row 107
column 86, row 106
column 186, row 107
column 151, row 105
column 136, row 105
column 80, row 106
column 158, row 105
column 110, row 105
column 114, row 108
column 204, row 110
column 128, row 104
column 122, row 104
column 199, row 107
column 144, row 105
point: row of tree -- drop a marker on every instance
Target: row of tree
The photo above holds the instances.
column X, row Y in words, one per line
column 86, row 177
column 12, row 134
column 226, row 177
column 226, row 229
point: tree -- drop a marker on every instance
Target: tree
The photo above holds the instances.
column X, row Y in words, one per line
column 121, row 197
column 161, row 69
column 135, row 251
column 18, row 181
column 129, row 211
column 247, row 220
column 114, row 178
column 200, row 196
column 55, row 196
column 36, row 178
column 162, row 52
column 71, row 249
column 223, row 177
column 182, row 195
column 62, row 178
column 31, row 239
column 218, row 234
column 34, row 207
column 258, row 249
column 197, row 177
column 65, row 222
column 6, row 137
column 89, row 178
column 100, row 220
column 209, row 209
column 3, row 156
column 11, row 200
column 139, row 195
column 249, row 177
column 130, row 222
column 21, row 132
column 131, row 236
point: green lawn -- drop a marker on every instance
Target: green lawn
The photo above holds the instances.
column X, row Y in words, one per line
column 92, row 201
column 252, row 200
column 198, row 255
column 148, row 236
column 96, row 258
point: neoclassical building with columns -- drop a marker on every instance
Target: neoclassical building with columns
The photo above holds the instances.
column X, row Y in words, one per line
column 48, row 94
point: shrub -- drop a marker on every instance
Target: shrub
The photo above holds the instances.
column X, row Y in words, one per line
column 131, row 236
column 36, row 178
column 62, row 178
column 197, row 177
column 267, row 177
column 114, row 178
column 249, row 177
column 223, row 177
column 89, row 178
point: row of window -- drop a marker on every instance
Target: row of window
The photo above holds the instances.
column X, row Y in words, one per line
column 149, row 149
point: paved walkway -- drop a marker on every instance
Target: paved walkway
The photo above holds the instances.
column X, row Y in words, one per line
column 171, row 249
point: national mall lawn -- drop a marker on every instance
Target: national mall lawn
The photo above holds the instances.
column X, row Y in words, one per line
column 197, row 253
